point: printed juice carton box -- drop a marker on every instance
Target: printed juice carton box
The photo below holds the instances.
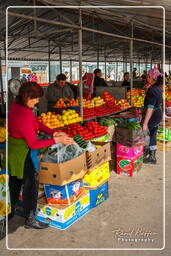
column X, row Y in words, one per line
column 3, row 178
column 66, row 194
column 128, row 167
column 97, row 177
column 60, row 216
column 104, row 138
column 98, row 195
column 129, row 152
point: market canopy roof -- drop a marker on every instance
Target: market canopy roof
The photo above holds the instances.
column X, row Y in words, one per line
column 31, row 40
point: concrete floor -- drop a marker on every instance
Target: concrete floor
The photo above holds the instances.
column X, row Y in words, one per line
column 133, row 203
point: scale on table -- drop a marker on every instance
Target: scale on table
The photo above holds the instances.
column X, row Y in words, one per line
column 14, row 86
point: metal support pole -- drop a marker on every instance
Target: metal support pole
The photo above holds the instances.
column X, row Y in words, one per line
column 35, row 21
column 139, row 63
column 98, row 58
column 60, row 59
column 116, row 71
column 146, row 64
column 131, row 64
column 105, row 68
column 169, row 64
column 70, row 72
column 1, row 82
column 151, row 63
column 49, row 69
column 80, row 63
column 126, row 64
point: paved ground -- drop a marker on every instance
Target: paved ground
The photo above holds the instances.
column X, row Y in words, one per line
column 133, row 204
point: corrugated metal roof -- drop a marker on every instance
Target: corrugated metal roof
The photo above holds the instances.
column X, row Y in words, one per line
column 25, row 44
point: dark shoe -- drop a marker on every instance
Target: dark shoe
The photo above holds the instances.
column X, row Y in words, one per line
column 146, row 152
column 151, row 159
column 31, row 222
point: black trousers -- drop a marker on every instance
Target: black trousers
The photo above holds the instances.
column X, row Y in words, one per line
column 30, row 187
column 153, row 136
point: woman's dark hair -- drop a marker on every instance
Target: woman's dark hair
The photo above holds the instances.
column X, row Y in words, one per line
column 61, row 77
column 30, row 90
column 97, row 70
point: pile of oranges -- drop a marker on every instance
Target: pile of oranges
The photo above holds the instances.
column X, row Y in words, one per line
column 69, row 103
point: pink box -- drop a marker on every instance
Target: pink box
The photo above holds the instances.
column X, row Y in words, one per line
column 129, row 152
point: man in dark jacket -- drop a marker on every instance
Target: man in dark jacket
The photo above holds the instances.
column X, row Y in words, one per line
column 59, row 89
column 98, row 80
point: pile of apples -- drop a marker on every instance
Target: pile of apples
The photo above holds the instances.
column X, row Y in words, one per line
column 70, row 116
column 93, row 103
column 55, row 121
column 51, row 120
column 138, row 96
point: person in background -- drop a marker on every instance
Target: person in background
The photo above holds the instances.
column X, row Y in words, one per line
column 23, row 79
column 98, row 80
column 126, row 81
column 23, row 145
column 59, row 89
column 134, row 73
column 29, row 77
column 152, row 112
column 34, row 77
column 67, row 75
column 144, row 75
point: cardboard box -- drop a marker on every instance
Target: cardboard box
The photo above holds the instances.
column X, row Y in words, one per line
column 64, row 195
column 63, row 173
column 98, row 195
column 104, row 138
column 97, row 177
column 3, row 178
column 62, row 217
column 128, row 137
column 127, row 166
column 100, row 156
column 129, row 152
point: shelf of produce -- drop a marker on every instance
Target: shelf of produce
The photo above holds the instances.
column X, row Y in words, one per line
column 117, row 112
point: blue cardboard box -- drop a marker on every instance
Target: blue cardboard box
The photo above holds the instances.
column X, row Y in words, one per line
column 60, row 216
column 64, row 195
column 98, row 195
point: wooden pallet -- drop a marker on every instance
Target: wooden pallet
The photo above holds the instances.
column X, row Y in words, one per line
column 160, row 146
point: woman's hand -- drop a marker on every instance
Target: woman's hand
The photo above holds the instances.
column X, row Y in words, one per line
column 58, row 134
column 64, row 140
column 145, row 127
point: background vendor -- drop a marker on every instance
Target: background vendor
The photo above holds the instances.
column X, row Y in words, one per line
column 23, row 144
column 59, row 89
column 126, row 81
column 98, row 80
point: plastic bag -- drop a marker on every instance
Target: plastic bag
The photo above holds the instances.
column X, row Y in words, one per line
column 146, row 138
column 59, row 153
column 90, row 147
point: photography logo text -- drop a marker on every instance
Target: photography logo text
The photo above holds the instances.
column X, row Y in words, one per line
column 137, row 235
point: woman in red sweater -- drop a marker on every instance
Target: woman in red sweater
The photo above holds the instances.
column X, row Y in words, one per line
column 23, row 143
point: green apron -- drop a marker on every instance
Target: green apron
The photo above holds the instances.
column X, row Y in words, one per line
column 17, row 152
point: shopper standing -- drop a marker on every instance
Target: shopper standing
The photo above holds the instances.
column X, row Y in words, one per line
column 153, row 112
column 23, row 144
